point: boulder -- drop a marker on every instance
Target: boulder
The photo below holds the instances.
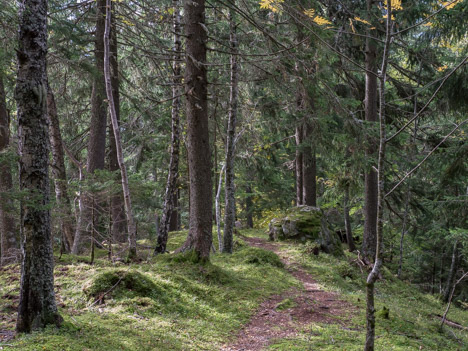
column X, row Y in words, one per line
column 306, row 223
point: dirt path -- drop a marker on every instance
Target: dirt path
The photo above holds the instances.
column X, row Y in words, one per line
column 311, row 304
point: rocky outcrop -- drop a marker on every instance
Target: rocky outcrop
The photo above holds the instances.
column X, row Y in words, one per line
column 306, row 223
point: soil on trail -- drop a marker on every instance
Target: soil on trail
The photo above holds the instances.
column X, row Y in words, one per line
column 309, row 305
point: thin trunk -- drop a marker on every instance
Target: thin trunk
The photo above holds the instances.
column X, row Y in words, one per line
column 375, row 273
column 449, row 301
column 119, row 223
column 230, row 209
column 218, row 208
column 37, row 307
column 173, row 174
column 200, row 236
column 309, row 168
column 97, row 136
column 299, row 163
column 249, row 206
column 370, row 179
column 403, row 232
column 408, row 193
column 174, row 222
column 131, row 226
column 59, row 174
column 8, row 242
column 349, row 234
column 452, row 272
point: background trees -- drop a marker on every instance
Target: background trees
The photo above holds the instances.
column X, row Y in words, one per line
column 304, row 130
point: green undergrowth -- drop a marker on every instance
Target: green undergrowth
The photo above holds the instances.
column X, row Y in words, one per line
column 170, row 302
column 166, row 303
column 405, row 316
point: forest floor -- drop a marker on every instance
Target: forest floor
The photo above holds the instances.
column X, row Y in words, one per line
column 265, row 296
column 285, row 315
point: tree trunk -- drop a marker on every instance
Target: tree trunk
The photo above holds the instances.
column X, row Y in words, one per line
column 347, row 221
column 59, row 173
column 452, row 272
column 375, row 273
column 8, row 241
column 174, row 222
column 118, row 220
column 403, row 232
column 37, row 307
column 370, row 180
column 131, row 227
column 169, row 213
column 299, row 162
column 97, row 135
column 230, row 209
column 309, row 168
column 200, row 235
column 218, row 208
column 249, row 206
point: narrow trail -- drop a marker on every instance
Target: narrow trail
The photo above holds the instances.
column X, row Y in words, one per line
column 311, row 305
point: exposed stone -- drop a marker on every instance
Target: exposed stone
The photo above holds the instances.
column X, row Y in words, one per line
column 306, row 223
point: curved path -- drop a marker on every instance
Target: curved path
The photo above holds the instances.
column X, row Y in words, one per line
column 311, row 305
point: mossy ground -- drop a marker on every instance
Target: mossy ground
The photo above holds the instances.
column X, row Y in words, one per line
column 171, row 303
column 166, row 303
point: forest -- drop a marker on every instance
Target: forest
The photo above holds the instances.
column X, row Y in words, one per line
column 233, row 175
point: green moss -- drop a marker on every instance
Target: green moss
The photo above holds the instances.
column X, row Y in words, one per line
column 256, row 256
column 120, row 283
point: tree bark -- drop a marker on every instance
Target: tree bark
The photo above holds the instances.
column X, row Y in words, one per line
column 375, row 273
column 347, row 221
column 299, row 162
column 200, row 232
column 309, row 168
column 8, row 242
column 230, row 208
column 170, row 198
column 59, row 173
column 37, row 307
column 452, row 272
column 249, row 206
column 218, row 208
column 370, row 180
column 118, row 221
column 97, row 135
column 131, row 226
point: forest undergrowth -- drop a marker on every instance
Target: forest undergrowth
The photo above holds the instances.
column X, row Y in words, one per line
column 170, row 303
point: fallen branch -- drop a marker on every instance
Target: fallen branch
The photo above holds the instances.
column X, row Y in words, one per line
column 451, row 323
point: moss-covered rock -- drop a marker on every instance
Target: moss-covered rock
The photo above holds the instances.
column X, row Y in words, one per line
column 257, row 256
column 306, row 223
column 120, row 283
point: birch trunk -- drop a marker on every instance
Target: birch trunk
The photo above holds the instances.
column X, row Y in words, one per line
column 131, row 227
column 118, row 229
column 230, row 208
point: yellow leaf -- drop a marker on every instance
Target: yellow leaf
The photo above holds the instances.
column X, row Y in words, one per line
column 272, row 5
column 352, row 27
column 361, row 20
